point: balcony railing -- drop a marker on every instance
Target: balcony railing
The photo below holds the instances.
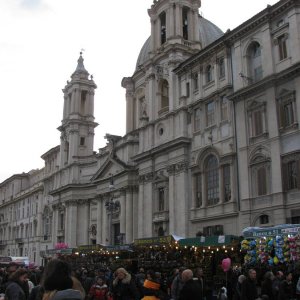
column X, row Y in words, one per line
column 19, row 241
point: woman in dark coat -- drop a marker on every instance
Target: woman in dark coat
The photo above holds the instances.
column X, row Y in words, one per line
column 286, row 288
column 266, row 286
column 123, row 286
column 16, row 288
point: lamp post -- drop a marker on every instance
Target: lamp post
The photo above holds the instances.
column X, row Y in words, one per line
column 111, row 206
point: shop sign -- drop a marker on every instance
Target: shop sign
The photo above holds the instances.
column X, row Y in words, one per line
column 272, row 232
column 89, row 247
column 153, row 241
column 59, row 251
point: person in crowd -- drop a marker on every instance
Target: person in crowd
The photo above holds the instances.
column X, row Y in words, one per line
column 222, row 293
column 88, row 280
column 266, row 286
column 58, row 283
column 10, row 269
column 191, row 289
column 139, row 280
column 98, row 290
column 276, row 284
column 199, row 275
column 237, row 293
column 286, row 288
column 17, row 288
column 123, row 286
column 151, row 287
column 170, row 279
column 177, row 284
column 249, row 289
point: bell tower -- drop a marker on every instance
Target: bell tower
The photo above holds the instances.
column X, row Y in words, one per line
column 174, row 22
column 77, row 128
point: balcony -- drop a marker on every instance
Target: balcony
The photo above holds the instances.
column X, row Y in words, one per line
column 19, row 240
column 3, row 244
column 60, row 232
column 160, row 216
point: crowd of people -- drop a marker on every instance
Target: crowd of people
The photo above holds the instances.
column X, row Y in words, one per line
column 58, row 281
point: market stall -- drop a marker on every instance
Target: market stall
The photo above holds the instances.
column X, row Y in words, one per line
column 271, row 246
column 212, row 254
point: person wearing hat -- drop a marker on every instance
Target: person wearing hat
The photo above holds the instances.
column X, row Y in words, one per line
column 98, row 290
column 123, row 286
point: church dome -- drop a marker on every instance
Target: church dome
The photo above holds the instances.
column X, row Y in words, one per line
column 208, row 33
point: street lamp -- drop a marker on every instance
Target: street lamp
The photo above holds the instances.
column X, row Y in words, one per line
column 111, row 206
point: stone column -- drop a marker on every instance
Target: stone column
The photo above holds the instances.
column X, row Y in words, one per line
column 153, row 35
column 129, row 214
column 128, row 84
column 172, row 196
column 178, row 20
column 99, row 238
column 232, row 183
column 71, row 224
column 91, row 104
column 135, row 217
column 141, row 210
column 123, row 212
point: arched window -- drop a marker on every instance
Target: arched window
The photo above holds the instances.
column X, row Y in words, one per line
column 165, row 94
column 255, row 62
column 212, row 180
column 163, row 36
column 185, row 27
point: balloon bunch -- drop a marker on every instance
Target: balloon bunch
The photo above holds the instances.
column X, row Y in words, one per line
column 279, row 243
column 293, row 255
column 250, row 247
column 263, row 255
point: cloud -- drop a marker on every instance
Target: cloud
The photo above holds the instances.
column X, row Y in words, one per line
column 31, row 4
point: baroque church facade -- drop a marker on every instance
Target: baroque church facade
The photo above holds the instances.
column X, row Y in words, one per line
column 212, row 141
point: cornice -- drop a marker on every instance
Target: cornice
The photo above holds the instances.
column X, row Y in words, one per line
column 181, row 141
column 260, row 86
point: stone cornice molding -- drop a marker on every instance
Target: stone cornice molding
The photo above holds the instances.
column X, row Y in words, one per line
column 177, row 168
column 148, row 177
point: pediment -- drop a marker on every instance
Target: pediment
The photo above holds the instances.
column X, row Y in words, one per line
column 111, row 166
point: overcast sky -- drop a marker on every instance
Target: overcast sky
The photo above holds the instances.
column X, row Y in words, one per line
column 40, row 41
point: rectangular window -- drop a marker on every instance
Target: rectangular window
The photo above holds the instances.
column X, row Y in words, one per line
column 292, row 175
column 257, row 123
column 196, row 81
column 197, row 119
column 221, row 68
column 161, row 199
column 224, row 108
column 210, row 113
column 82, row 141
column 226, row 183
column 261, row 177
column 288, row 114
column 61, row 221
column 198, row 190
column 282, row 47
column 188, row 89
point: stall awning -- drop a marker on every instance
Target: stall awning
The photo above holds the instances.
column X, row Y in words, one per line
column 212, row 241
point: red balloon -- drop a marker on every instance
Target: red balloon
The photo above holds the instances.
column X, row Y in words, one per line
column 226, row 264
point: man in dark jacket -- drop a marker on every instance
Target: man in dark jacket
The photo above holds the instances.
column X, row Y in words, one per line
column 191, row 289
column 249, row 290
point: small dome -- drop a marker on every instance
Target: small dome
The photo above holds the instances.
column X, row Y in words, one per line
column 208, row 33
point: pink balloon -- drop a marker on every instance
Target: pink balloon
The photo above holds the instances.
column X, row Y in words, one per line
column 226, row 264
